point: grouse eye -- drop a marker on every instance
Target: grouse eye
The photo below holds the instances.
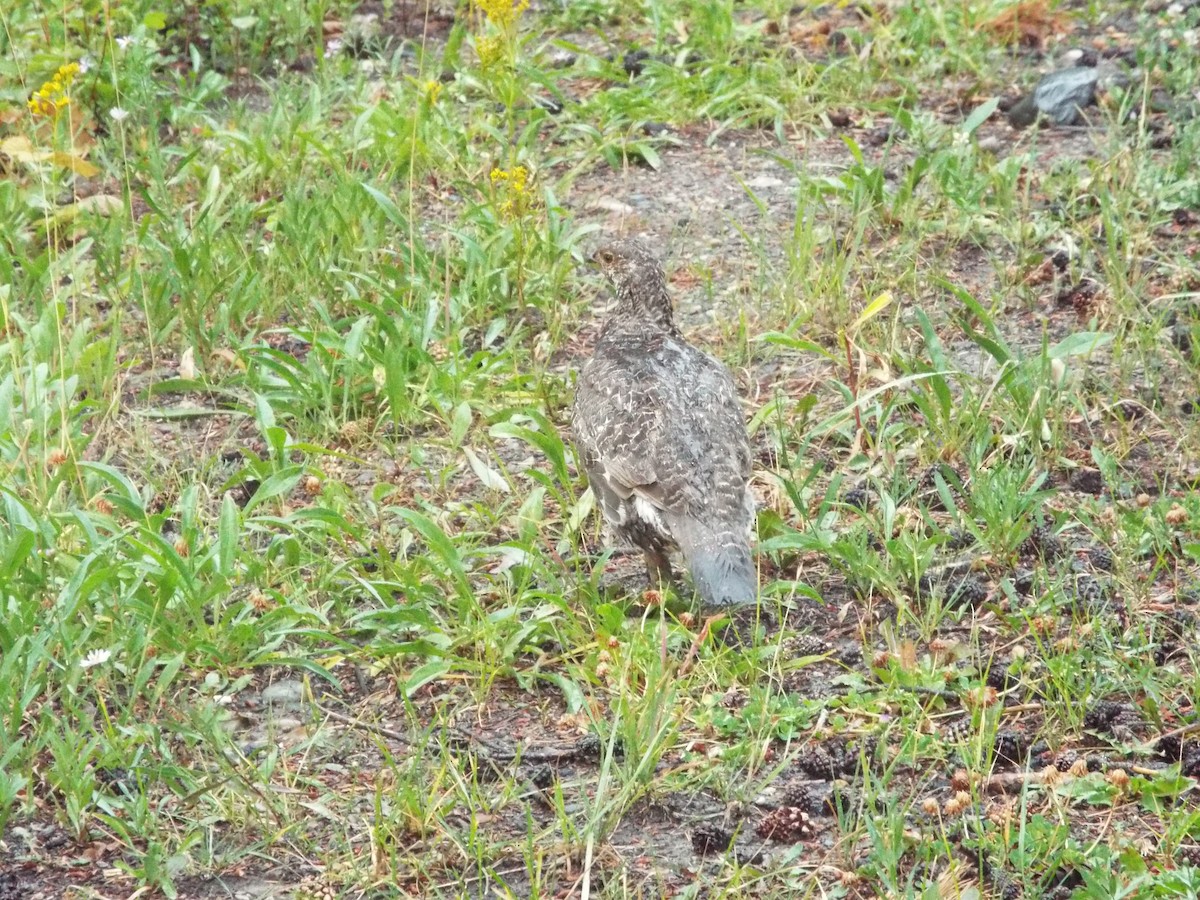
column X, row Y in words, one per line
column 606, row 256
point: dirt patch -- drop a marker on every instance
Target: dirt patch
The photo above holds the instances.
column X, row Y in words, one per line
column 410, row 20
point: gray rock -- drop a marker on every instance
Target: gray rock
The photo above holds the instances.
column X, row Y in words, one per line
column 1078, row 57
column 363, row 27
column 561, row 59
column 288, row 692
column 1060, row 96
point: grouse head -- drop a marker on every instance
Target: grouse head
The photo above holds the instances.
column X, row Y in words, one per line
column 639, row 280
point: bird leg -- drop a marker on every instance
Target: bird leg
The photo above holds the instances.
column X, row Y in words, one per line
column 658, row 569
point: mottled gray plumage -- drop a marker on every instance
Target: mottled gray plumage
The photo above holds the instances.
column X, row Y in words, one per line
column 662, row 438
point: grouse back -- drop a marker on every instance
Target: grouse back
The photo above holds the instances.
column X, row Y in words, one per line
column 662, row 437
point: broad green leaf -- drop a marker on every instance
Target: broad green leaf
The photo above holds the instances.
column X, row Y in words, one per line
column 118, row 480
column 572, row 693
column 460, row 424
column 352, row 348
column 14, row 552
column 1079, row 344
column 876, row 306
column 278, row 484
column 581, row 511
column 228, row 533
column 490, row 478
column 611, row 616
column 298, row 662
column 979, row 115
column 854, row 149
column 795, row 343
column 650, row 155
column 388, row 206
column 550, row 444
column 442, row 547
column 181, row 413
column 263, row 412
column 424, row 674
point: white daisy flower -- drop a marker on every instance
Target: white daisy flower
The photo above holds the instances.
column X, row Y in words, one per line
column 118, row 115
column 95, row 658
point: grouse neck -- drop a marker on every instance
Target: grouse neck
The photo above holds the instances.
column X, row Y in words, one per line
column 647, row 302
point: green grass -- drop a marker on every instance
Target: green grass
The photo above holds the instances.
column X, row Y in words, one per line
column 299, row 580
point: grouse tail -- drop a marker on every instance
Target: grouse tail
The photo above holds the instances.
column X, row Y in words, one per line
column 719, row 561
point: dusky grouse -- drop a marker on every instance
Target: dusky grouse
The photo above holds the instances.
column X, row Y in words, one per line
column 662, row 437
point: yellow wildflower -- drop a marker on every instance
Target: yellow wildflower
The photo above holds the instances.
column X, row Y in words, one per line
column 432, row 90
column 54, row 94
column 490, row 50
column 513, row 187
column 503, row 12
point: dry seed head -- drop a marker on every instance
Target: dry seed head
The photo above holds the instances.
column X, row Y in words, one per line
column 981, row 697
column 351, row 431
column 1000, row 813
column 1043, row 624
column 1118, row 778
column 940, row 648
column 957, row 804
column 1058, row 372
